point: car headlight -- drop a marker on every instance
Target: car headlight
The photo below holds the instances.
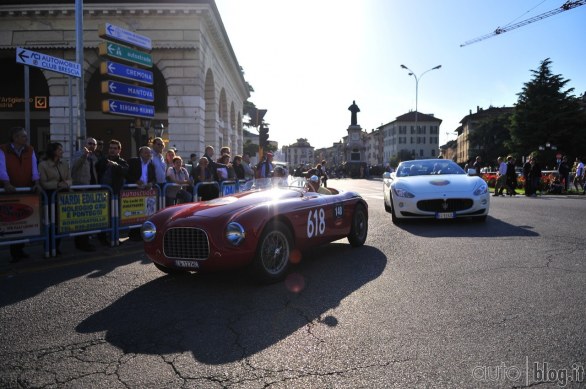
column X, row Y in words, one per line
column 482, row 189
column 148, row 231
column 403, row 193
column 235, row 233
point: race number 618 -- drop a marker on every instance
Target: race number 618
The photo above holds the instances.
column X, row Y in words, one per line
column 316, row 223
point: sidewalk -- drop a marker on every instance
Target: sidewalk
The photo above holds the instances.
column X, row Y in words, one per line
column 69, row 255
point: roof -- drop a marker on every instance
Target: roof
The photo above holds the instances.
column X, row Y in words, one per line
column 421, row 117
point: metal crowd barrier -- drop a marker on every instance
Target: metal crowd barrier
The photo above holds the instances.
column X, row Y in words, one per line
column 24, row 218
column 135, row 205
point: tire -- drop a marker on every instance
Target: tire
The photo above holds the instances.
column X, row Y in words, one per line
column 387, row 207
column 359, row 229
column 170, row 271
column 394, row 217
column 271, row 262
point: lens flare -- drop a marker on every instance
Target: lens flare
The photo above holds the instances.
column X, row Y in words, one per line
column 295, row 256
column 295, row 282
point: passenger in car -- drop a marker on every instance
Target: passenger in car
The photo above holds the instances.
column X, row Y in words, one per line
column 313, row 185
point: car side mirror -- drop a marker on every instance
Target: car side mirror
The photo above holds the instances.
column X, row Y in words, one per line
column 386, row 175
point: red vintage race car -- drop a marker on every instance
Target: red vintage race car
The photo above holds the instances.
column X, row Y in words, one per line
column 266, row 230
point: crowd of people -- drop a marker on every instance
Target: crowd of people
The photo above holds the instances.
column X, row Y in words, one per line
column 532, row 172
column 154, row 165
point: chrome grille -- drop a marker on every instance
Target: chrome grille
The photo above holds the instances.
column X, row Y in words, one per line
column 186, row 243
column 447, row 205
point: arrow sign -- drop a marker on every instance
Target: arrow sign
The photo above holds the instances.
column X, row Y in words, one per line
column 126, row 72
column 125, row 53
column 110, row 31
column 47, row 62
column 126, row 90
column 125, row 108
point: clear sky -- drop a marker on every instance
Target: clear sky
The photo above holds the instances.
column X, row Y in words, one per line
column 307, row 60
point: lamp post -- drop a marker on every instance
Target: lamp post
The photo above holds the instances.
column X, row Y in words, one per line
column 412, row 73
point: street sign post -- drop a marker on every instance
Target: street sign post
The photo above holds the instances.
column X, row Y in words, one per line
column 47, row 62
column 118, row 107
column 124, row 53
column 126, row 72
column 110, row 31
column 126, row 90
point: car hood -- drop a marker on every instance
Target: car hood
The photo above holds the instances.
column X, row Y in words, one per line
column 226, row 206
column 441, row 182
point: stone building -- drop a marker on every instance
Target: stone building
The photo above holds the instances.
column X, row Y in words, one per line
column 199, row 87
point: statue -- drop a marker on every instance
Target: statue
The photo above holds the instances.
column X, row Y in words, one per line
column 354, row 109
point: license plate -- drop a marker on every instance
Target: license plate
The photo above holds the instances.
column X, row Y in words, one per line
column 189, row 264
column 445, row 215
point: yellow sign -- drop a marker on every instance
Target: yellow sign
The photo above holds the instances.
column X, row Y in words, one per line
column 83, row 211
column 136, row 205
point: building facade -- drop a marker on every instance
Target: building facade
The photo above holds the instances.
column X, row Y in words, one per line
column 199, row 87
column 299, row 153
column 408, row 133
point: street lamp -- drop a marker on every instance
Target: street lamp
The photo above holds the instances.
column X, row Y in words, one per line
column 412, row 73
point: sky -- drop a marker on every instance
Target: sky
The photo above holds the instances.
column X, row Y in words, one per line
column 308, row 60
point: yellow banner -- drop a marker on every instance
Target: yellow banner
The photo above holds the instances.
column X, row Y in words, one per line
column 136, row 205
column 83, row 211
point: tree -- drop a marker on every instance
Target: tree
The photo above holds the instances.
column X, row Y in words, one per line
column 489, row 138
column 545, row 113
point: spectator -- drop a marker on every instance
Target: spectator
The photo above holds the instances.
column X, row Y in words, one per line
column 564, row 172
column 159, row 161
column 141, row 170
column 526, row 171
column 238, row 168
column 323, row 173
column 511, row 176
column 501, row 180
column 177, row 174
column 224, row 170
column 99, row 151
column 265, row 168
column 54, row 175
column 579, row 177
column 169, row 157
column 18, row 168
column 535, row 176
column 193, row 159
column 212, row 165
column 477, row 165
column 203, row 174
column 248, row 171
column 83, row 172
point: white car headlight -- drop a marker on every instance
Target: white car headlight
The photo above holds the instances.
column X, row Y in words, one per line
column 235, row 233
column 482, row 189
column 148, row 231
column 403, row 193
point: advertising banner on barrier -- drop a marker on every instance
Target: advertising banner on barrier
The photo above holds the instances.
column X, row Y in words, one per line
column 136, row 205
column 83, row 211
column 20, row 216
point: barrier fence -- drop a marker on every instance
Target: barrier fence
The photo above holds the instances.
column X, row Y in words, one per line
column 26, row 216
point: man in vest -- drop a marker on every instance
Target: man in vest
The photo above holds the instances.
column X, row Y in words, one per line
column 18, row 168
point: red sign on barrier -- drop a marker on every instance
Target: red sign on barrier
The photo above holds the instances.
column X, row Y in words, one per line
column 20, row 216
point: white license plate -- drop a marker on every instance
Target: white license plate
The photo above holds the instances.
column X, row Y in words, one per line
column 189, row 264
column 445, row 215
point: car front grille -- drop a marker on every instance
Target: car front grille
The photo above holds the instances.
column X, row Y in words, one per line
column 447, row 205
column 186, row 243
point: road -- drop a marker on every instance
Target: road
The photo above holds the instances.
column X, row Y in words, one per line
column 425, row 304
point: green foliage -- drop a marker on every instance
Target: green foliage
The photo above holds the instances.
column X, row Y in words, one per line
column 545, row 112
column 489, row 138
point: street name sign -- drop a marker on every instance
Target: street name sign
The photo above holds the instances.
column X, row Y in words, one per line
column 126, row 72
column 125, row 53
column 110, row 31
column 47, row 62
column 118, row 107
column 126, row 90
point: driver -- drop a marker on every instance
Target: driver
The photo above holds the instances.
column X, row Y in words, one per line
column 313, row 185
column 279, row 176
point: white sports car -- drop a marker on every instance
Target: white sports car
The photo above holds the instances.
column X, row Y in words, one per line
column 434, row 188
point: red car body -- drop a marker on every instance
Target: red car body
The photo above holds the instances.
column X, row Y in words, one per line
column 269, row 224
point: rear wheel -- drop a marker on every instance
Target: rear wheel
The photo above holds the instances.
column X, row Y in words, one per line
column 271, row 262
column 359, row 229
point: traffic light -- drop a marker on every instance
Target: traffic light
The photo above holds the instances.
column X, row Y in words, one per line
column 256, row 116
column 263, row 136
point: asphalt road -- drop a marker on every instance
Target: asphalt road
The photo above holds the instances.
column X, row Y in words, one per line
column 427, row 304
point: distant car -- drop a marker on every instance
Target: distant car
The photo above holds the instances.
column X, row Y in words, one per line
column 265, row 230
column 436, row 189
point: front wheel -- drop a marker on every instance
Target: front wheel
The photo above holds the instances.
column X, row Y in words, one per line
column 359, row 228
column 271, row 262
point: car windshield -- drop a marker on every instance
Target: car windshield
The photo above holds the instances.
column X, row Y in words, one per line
column 425, row 168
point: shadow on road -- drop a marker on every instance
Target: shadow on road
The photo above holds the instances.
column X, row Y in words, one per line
column 226, row 317
column 465, row 228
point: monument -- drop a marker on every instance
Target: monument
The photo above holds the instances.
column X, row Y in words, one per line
column 355, row 148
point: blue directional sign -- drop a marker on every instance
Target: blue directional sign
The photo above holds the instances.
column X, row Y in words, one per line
column 118, row 107
column 126, row 72
column 126, row 90
column 118, row 33
column 44, row 61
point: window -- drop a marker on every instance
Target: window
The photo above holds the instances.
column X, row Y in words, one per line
column 421, row 152
column 433, row 152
